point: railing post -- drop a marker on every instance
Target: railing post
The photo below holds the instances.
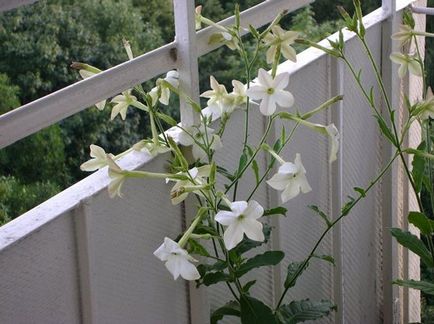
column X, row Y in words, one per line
column 186, row 54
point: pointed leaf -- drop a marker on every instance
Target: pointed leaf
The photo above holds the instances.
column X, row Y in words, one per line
column 320, row 213
column 423, row 223
column 248, row 285
column 197, row 248
column 275, row 211
column 248, row 244
column 418, row 170
column 266, row 259
column 414, row 244
column 231, row 308
column 304, row 310
column 424, row 286
column 295, row 269
column 327, row 258
column 212, row 278
column 253, row 311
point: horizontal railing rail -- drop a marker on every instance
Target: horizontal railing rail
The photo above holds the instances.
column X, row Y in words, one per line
column 41, row 113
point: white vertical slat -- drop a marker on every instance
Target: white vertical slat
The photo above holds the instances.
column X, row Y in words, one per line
column 186, row 54
column 84, row 264
column 393, row 305
column 187, row 65
column 336, row 71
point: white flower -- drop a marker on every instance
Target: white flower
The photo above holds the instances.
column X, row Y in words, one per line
column 407, row 62
column 242, row 219
column 404, row 35
column 99, row 159
column 270, row 92
column 151, row 148
column 196, row 180
column 178, row 261
column 334, row 137
column 197, row 17
column 238, row 93
column 283, row 39
column 217, row 93
column 172, row 77
column 224, row 37
column 118, row 177
column 122, row 102
column 291, row 179
column 428, row 110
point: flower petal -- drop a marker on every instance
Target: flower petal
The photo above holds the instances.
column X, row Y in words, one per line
column 239, row 207
column 233, row 235
column 281, row 81
column 226, row 218
column 254, row 210
column 253, row 229
column 284, row 98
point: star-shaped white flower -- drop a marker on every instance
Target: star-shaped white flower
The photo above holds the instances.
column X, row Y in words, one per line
column 283, row 39
column 177, row 260
column 196, row 179
column 172, row 77
column 242, row 219
column 98, row 161
column 270, row 92
column 117, row 176
column 122, row 102
column 291, row 179
column 406, row 62
column 217, row 93
column 404, row 35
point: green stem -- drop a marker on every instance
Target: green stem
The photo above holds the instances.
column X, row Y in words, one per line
column 302, row 267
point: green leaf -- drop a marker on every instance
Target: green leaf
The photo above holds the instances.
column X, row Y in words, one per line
column 424, row 286
column 385, row 130
column 225, row 173
column 423, row 223
column 253, row 31
column 348, row 206
column 167, row 119
column 255, row 169
column 294, row 271
column 248, row 285
column 361, row 191
column 414, row 244
column 248, row 244
column 321, row 214
column 253, row 311
column 217, row 266
column 304, row 310
column 212, row 278
column 231, row 308
column 266, row 259
column 242, row 162
column 327, row 258
column 418, row 170
column 275, row 211
column 195, row 247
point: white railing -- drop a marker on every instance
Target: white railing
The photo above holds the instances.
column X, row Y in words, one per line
column 81, row 257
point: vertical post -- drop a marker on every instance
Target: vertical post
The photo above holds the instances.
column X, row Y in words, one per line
column 392, row 260
column 186, row 54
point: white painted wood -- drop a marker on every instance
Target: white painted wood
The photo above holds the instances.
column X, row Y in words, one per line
column 112, row 250
column 187, row 59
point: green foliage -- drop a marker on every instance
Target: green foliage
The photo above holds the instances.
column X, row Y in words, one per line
column 424, row 286
column 304, row 310
column 268, row 258
column 16, row 197
column 253, row 311
column 231, row 308
column 9, row 94
column 295, row 269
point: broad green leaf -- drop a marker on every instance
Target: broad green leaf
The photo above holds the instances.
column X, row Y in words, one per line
column 253, row 311
column 418, row 170
column 294, row 271
column 304, row 310
column 266, row 259
column 320, row 213
column 217, row 266
column 203, row 229
column 275, row 211
column 327, row 258
column 212, row 278
column 231, row 308
column 414, row 244
column 424, row 286
column 248, row 244
column 195, row 247
column 423, row 223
